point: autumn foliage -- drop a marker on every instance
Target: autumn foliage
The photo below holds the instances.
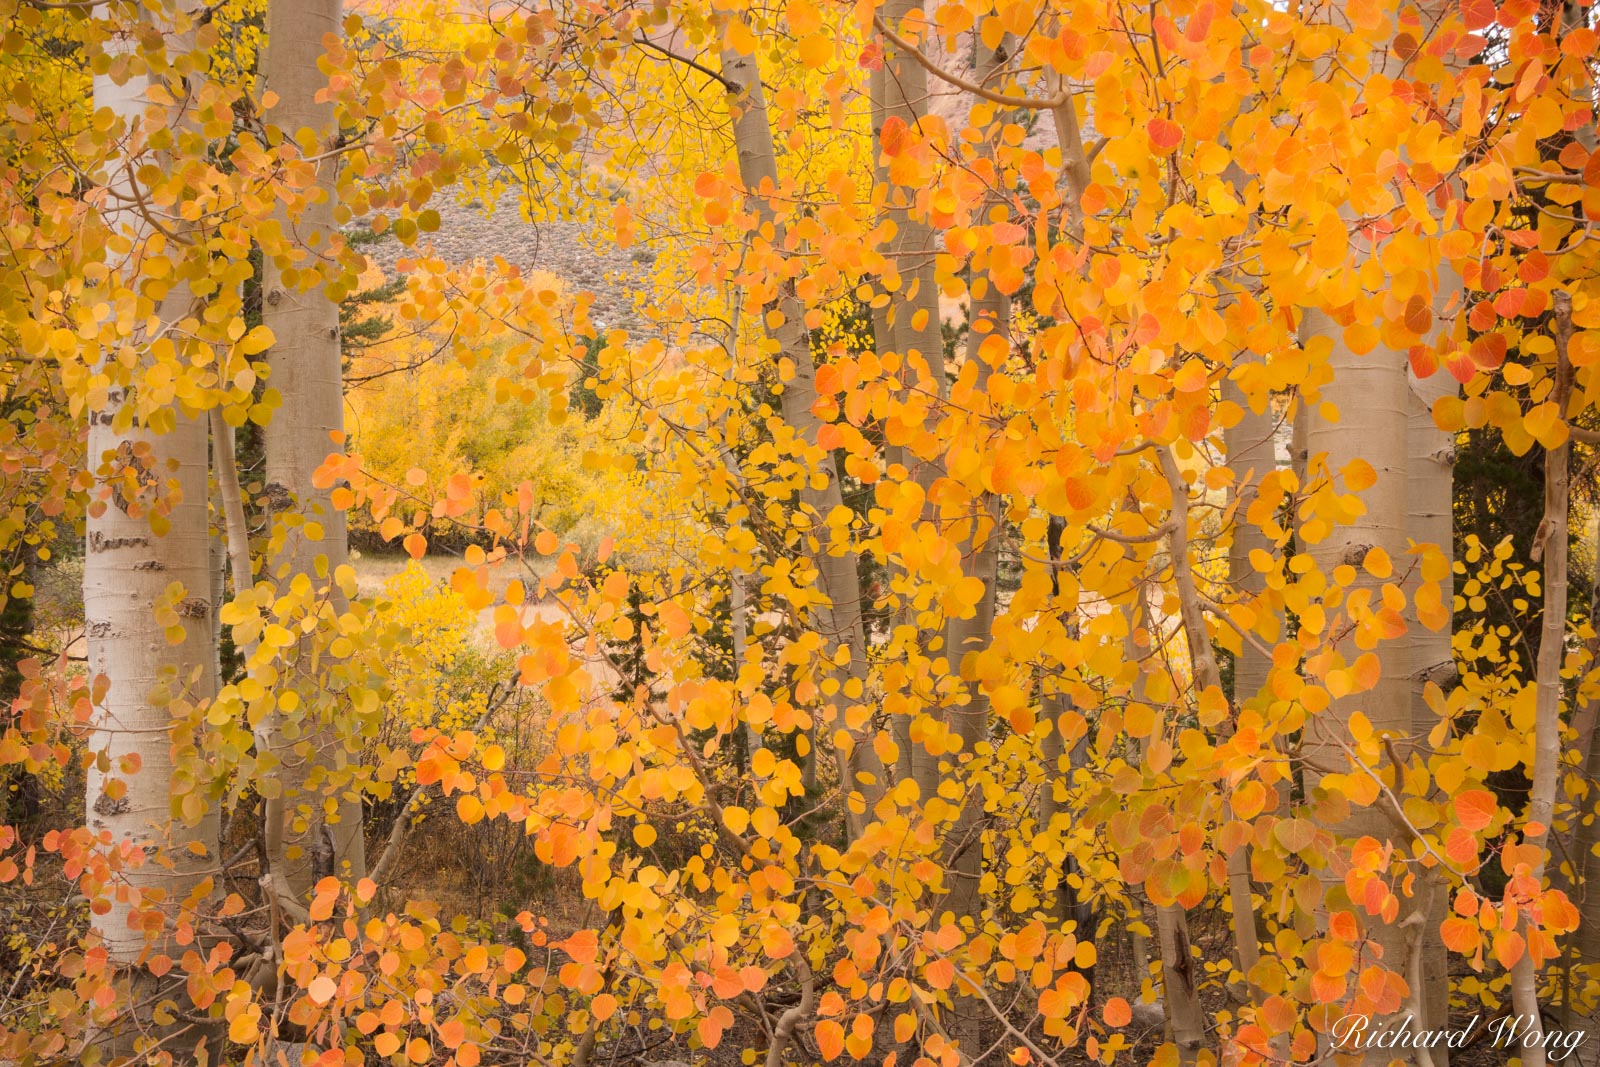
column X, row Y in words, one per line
column 994, row 595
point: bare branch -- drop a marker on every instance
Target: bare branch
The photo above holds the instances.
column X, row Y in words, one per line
column 1004, row 99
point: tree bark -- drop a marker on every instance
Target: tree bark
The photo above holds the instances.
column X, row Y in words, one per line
column 1179, row 989
column 306, row 369
column 899, row 91
column 989, row 316
column 967, row 639
column 1551, row 543
column 146, row 578
column 1207, row 675
column 128, row 572
column 1371, row 396
column 1583, row 945
column 917, row 330
column 1252, row 452
column 1430, row 493
column 838, row 621
column 1059, row 763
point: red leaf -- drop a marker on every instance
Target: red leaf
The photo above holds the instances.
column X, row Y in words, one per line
column 1475, row 808
column 1591, row 170
column 893, row 135
column 1488, row 351
column 1165, row 135
column 1419, row 317
column 1477, row 13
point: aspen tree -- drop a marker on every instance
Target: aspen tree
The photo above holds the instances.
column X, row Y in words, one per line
column 911, row 327
column 1550, row 548
column 838, row 622
column 1430, row 492
column 309, row 424
column 1361, row 427
column 146, row 578
column 1180, row 993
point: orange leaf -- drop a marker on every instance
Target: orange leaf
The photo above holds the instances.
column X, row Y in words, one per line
column 673, row 619
column 1459, row 935
column 830, row 1039
column 777, row 944
column 1165, row 135
column 1475, row 808
column 1249, row 799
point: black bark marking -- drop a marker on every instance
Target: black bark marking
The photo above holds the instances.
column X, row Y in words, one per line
column 105, row 805
column 99, row 542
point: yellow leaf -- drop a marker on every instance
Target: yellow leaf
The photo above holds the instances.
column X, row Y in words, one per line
column 815, row 50
column 1359, row 475
column 242, row 1030
column 1329, row 242
column 739, row 38
column 1249, row 799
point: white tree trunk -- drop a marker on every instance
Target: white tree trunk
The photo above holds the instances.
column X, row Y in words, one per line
column 899, row 91
column 1371, row 395
column 306, row 370
column 1550, row 545
column 1430, row 496
column 128, row 573
column 1179, row 986
column 141, row 586
column 839, row 621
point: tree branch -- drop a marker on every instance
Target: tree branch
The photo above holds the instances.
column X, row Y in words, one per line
column 1005, row 100
column 789, row 1020
column 691, row 64
column 225, row 467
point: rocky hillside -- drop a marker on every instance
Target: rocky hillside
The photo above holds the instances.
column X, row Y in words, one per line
column 471, row 231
